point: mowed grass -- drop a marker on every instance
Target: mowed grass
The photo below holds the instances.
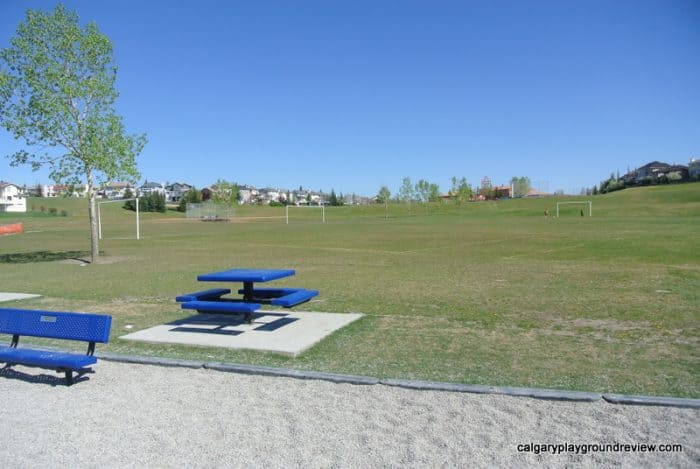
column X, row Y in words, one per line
column 487, row 293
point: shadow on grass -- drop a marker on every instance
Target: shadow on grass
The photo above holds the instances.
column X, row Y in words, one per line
column 45, row 256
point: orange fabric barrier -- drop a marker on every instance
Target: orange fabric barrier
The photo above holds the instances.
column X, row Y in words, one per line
column 11, row 228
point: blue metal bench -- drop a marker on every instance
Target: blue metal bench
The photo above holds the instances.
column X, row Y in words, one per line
column 91, row 328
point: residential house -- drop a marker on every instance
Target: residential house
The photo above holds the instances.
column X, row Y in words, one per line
column 354, row 199
column 657, row 171
column 300, row 197
column 318, row 198
column 504, row 191
column 115, row 190
column 268, row 195
column 149, row 188
column 175, row 191
column 49, row 190
column 31, row 191
column 248, row 194
column 11, row 199
column 62, row 190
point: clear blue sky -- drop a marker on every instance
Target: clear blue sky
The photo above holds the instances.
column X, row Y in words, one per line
column 354, row 95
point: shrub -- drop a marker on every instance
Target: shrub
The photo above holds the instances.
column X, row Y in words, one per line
column 154, row 202
column 193, row 196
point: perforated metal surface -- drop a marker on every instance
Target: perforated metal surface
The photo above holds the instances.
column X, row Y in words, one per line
column 56, row 325
column 45, row 359
column 246, row 275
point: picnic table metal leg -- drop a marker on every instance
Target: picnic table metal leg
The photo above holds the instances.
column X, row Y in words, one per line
column 248, row 296
column 248, row 292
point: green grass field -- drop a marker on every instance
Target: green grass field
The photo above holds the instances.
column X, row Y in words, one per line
column 487, row 293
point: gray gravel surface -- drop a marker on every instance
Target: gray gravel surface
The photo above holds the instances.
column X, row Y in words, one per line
column 129, row 415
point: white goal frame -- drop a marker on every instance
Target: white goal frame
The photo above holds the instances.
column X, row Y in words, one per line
column 99, row 216
column 588, row 202
column 322, row 207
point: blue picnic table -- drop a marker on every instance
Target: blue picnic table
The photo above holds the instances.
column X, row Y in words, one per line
column 213, row 300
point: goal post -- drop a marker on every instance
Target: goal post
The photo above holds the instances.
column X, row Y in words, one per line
column 586, row 202
column 99, row 215
column 322, row 207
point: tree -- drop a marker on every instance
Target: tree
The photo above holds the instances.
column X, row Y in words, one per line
column 383, row 195
column 332, row 199
column 129, row 204
column 193, row 196
column 156, row 202
column 433, row 192
column 521, row 186
column 422, row 190
column 461, row 190
column 224, row 192
column 57, row 92
column 406, row 191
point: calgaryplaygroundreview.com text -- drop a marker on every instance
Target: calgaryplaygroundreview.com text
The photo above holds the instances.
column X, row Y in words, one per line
column 544, row 448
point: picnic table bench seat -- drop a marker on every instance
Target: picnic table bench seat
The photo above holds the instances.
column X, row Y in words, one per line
column 294, row 299
column 221, row 306
column 225, row 307
column 91, row 328
column 286, row 297
column 204, row 295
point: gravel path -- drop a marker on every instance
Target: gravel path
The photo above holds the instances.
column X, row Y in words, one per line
column 150, row 416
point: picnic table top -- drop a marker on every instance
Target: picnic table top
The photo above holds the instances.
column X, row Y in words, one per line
column 246, row 275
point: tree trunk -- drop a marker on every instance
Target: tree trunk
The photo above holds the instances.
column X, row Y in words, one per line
column 92, row 210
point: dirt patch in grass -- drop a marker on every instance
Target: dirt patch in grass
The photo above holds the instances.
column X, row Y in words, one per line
column 598, row 324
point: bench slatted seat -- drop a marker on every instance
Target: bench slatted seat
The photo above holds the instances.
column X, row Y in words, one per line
column 91, row 328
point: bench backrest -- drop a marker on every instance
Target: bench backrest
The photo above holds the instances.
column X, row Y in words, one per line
column 55, row 325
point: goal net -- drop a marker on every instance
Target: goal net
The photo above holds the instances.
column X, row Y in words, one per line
column 305, row 215
column 209, row 211
column 588, row 209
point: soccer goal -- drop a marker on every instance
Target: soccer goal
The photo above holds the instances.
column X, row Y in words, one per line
column 209, row 211
column 587, row 202
column 322, row 207
column 99, row 217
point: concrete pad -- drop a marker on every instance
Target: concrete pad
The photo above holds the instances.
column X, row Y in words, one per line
column 17, row 296
column 285, row 332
